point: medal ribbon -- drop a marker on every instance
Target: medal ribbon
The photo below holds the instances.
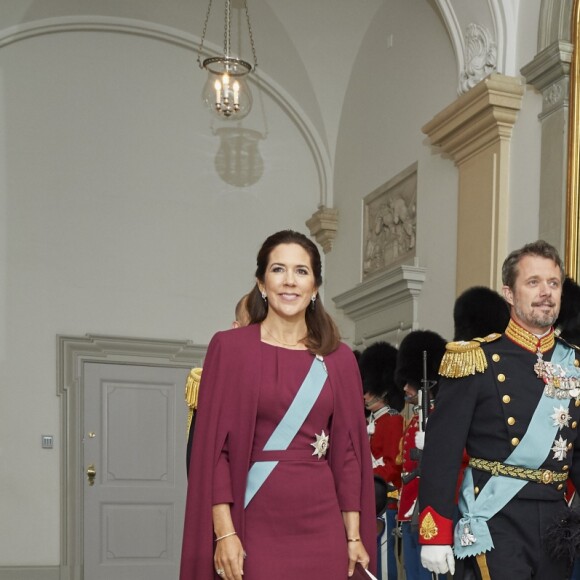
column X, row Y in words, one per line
column 289, row 425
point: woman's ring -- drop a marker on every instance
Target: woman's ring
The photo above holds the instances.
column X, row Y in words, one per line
column 220, row 572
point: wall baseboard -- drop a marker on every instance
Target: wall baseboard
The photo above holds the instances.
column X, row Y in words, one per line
column 29, row 572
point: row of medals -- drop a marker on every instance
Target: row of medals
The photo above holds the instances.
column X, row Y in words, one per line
column 557, row 384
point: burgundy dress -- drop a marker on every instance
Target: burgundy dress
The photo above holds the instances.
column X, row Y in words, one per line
column 294, row 526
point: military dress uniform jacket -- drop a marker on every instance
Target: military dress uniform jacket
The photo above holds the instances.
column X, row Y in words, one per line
column 487, row 413
column 409, row 490
column 384, row 440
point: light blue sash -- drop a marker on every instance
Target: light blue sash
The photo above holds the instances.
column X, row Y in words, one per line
column 289, row 425
column 499, row 490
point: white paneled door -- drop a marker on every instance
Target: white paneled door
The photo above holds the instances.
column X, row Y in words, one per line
column 134, row 471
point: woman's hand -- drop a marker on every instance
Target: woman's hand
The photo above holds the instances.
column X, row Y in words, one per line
column 229, row 557
column 357, row 553
column 356, row 550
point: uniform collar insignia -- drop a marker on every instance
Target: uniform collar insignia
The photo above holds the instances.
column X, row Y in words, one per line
column 529, row 341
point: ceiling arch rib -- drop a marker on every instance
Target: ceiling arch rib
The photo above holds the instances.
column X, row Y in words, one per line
column 455, row 34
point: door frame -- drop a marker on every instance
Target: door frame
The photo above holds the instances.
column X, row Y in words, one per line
column 72, row 353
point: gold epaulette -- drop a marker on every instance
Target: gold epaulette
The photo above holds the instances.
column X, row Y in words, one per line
column 192, row 393
column 465, row 357
column 192, row 388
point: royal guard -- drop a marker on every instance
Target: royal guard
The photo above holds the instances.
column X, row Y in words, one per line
column 413, row 369
column 568, row 321
column 384, row 400
column 479, row 311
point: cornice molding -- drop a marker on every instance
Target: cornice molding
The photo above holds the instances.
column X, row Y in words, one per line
column 381, row 292
column 120, row 348
column 549, row 65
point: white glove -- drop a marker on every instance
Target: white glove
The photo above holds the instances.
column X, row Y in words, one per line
column 438, row 559
column 420, row 439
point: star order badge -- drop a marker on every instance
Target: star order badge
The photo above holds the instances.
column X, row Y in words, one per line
column 561, row 417
column 560, row 449
column 321, row 444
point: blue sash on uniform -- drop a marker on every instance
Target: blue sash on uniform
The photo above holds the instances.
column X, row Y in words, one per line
column 499, row 490
column 289, row 425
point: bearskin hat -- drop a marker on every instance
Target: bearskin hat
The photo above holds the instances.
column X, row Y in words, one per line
column 410, row 358
column 479, row 311
column 377, row 368
column 568, row 322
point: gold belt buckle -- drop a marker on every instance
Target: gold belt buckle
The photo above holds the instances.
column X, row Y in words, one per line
column 547, row 476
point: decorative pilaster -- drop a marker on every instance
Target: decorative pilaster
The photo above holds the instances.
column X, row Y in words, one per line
column 476, row 131
column 549, row 72
column 323, row 225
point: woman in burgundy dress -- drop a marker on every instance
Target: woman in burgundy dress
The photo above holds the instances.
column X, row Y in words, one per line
column 280, row 483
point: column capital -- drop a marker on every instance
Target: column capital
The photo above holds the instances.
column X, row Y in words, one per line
column 483, row 115
column 323, row 226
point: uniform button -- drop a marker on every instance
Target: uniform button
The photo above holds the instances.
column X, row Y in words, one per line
column 577, row 402
column 511, row 421
column 569, row 446
column 574, row 424
column 495, row 357
column 506, row 399
column 576, row 362
column 560, row 487
column 515, row 441
column 501, row 377
column 476, row 490
column 565, row 467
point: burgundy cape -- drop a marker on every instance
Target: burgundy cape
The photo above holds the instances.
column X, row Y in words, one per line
column 228, row 401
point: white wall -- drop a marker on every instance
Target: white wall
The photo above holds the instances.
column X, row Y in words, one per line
column 394, row 90
column 525, row 150
column 114, row 222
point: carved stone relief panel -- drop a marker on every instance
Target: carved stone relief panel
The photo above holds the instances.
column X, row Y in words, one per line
column 390, row 223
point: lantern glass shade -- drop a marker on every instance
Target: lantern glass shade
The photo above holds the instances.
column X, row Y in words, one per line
column 226, row 92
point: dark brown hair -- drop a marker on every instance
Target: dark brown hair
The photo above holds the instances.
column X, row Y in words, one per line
column 509, row 271
column 323, row 336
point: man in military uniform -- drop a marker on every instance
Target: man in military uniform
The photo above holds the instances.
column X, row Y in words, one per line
column 513, row 402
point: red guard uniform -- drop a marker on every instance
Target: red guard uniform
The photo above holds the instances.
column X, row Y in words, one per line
column 385, row 429
column 410, row 490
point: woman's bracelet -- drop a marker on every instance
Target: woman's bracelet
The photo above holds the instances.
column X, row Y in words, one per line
column 353, row 539
column 226, row 536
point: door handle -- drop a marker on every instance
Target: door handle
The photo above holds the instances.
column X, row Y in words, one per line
column 91, row 472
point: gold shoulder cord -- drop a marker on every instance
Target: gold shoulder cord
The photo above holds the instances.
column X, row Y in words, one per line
column 465, row 357
column 192, row 393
